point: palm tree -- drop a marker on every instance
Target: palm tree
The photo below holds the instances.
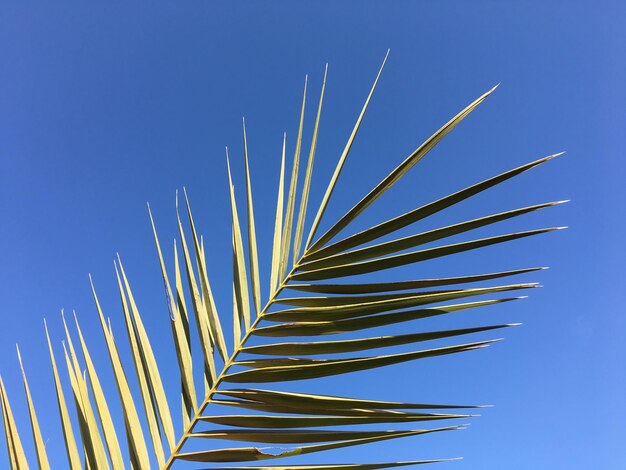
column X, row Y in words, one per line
column 304, row 301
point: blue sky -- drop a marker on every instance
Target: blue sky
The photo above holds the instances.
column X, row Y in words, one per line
column 104, row 107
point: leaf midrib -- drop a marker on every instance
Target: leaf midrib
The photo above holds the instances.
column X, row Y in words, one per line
column 208, row 398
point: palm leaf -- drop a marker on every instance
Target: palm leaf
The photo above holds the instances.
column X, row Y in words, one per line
column 266, row 347
column 40, row 447
column 17, row 457
column 68, row 433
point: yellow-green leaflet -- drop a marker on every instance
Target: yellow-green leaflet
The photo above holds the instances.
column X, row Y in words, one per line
column 207, row 294
column 280, row 370
column 106, row 421
column 421, row 212
column 356, row 466
column 142, row 376
column 304, row 199
column 40, row 447
column 278, row 224
column 369, row 321
column 239, row 266
column 411, row 241
column 189, row 403
column 291, row 436
column 137, row 444
column 291, row 198
column 92, row 440
column 362, row 344
column 329, row 403
column 68, row 433
column 342, row 160
column 399, row 171
column 389, row 262
column 14, row 444
column 374, row 287
column 253, row 255
column 96, row 447
column 254, row 453
column 199, row 307
column 154, row 377
column 181, row 341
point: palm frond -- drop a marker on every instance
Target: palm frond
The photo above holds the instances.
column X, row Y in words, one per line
column 310, row 327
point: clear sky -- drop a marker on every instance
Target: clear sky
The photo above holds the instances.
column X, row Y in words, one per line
column 104, row 107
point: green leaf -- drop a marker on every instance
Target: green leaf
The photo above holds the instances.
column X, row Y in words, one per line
column 323, row 402
column 411, row 241
column 330, row 308
column 422, row 212
column 68, row 433
column 359, row 323
column 142, row 376
column 302, row 410
column 291, row 422
column 334, row 347
column 309, row 369
column 106, row 421
column 181, row 340
column 412, row 257
column 137, row 444
column 90, row 434
column 201, row 313
column 254, row 453
column 188, row 401
column 370, row 288
column 253, row 255
column 304, row 200
column 355, row 466
column 240, row 274
column 398, row 172
column 207, row 295
column 293, row 189
column 40, row 447
column 342, row 159
column 291, row 436
column 278, row 225
column 13, row 441
column 154, row 376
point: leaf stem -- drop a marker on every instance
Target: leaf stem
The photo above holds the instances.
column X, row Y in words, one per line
column 175, row 452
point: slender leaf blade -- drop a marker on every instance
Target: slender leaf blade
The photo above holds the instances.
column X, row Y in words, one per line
column 291, row 197
column 14, row 443
column 398, row 172
column 328, row 403
column 102, row 407
column 304, row 199
column 68, row 433
column 278, row 225
column 411, row 257
column 254, row 453
column 141, row 371
column 241, row 275
column 154, row 375
column 342, row 159
column 360, row 323
column 362, row 344
column 421, row 212
column 309, row 369
column 137, row 443
column 253, row 256
column 181, row 340
column 411, row 241
column 374, row 287
column 40, row 447
column 207, row 294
